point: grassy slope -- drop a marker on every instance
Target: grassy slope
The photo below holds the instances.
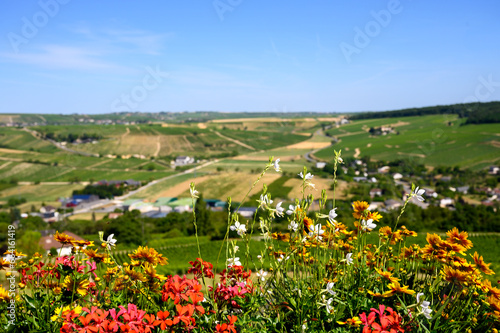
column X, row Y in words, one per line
column 429, row 140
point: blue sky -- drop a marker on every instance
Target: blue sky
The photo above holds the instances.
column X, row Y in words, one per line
column 73, row 56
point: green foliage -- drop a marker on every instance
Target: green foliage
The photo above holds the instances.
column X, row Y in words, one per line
column 103, row 191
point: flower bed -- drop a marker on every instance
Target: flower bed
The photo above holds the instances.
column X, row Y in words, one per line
column 324, row 277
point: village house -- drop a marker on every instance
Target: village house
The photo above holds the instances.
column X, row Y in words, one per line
column 183, row 160
column 494, row 170
column 384, row 169
column 397, row 176
column 430, row 193
column 375, row 192
column 446, row 202
column 49, row 214
column 463, row 189
column 320, row 165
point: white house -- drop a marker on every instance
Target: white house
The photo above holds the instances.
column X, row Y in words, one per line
column 397, row 176
column 183, row 160
column 320, row 165
column 384, row 169
column 446, row 202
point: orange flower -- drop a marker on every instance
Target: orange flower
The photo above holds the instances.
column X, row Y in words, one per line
column 434, row 240
column 63, row 238
column 359, row 209
column 484, row 267
column 150, row 255
column 454, row 276
column 385, row 231
column 386, row 275
column 396, row 288
column 457, row 237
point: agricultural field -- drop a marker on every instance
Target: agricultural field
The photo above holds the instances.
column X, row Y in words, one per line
column 430, row 140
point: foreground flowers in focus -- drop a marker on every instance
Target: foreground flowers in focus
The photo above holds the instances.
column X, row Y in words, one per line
column 314, row 273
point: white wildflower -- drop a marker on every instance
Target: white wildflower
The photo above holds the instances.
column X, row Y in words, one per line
column 262, row 275
column 233, row 262
column 368, row 224
column 308, row 176
column 417, row 193
column 279, row 209
column 110, row 242
column 424, row 306
column 332, row 215
column 264, row 199
column 240, row 229
column 329, row 306
column 349, row 259
column 291, row 210
column 329, row 288
column 293, row 226
column 277, row 165
column 317, row 230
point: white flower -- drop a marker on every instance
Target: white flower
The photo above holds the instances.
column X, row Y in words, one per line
column 280, row 259
column 194, row 193
column 233, row 262
column 241, row 229
column 262, row 274
column 277, row 165
column 368, row 224
column 264, row 199
column 308, row 176
column 290, row 210
column 329, row 288
column 259, row 257
column 349, row 259
column 424, row 307
column 418, row 194
column 293, row 226
column 329, row 306
column 340, row 160
column 316, row 230
column 236, row 248
column 110, row 242
column 279, row 209
column 332, row 215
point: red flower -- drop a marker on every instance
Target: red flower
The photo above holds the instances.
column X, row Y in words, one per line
column 227, row 327
column 200, row 271
column 162, row 320
column 388, row 323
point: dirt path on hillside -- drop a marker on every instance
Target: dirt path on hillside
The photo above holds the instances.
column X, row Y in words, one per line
column 187, row 142
column 158, row 146
column 98, row 163
column 235, row 141
column 5, row 165
column 357, row 152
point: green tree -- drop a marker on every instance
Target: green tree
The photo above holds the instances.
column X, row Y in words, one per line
column 203, row 218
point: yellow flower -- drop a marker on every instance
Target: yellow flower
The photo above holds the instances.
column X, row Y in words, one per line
column 484, row 267
column 359, row 209
column 396, row 288
column 4, row 295
column 353, row 322
column 79, row 286
column 61, row 313
column 63, row 238
column 150, row 255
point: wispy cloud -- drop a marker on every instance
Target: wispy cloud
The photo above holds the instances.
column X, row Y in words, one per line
column 62, row 57
column 123, row 40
